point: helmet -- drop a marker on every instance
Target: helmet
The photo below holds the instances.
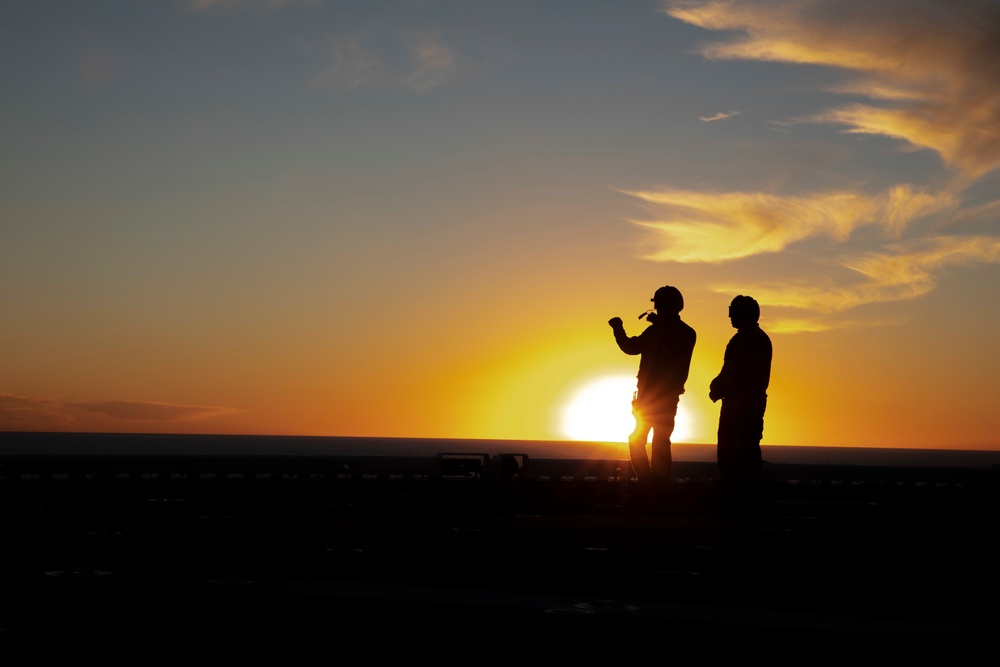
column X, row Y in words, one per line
column 669, row 299
column 744, row 308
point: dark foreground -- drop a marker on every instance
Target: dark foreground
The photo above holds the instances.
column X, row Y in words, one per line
column 469, row 557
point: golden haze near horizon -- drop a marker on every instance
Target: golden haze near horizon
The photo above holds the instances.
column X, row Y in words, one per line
column 415, row 219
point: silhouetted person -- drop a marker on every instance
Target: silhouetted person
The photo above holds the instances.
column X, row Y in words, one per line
column 742, row 387
column 666, row 346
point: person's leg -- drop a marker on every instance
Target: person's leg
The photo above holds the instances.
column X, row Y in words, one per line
column 740, row 459
column 660, row 459
column 729, row 456
column 751, row 432
column 637, row 449
column 751, row 477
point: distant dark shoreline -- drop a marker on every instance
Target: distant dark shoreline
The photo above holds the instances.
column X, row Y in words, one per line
column 113, row 444
column 142, row 444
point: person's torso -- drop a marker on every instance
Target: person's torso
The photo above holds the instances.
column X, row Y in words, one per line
column 666, row 357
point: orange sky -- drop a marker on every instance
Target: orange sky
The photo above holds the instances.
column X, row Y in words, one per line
column 415, row 219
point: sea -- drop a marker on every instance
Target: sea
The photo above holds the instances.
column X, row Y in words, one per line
column 126, row 444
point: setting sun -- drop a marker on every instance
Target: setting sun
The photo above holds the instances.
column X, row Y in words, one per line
column 602, row 411
column 451, row 268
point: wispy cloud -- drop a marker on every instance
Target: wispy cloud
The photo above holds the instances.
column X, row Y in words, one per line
column 816, row 324
column 32, row 413
column 19, row 413
column 433, row 62
column 416, row 61
column 697, row 226
column 929, row 71
column 898, row 272
column 932, row 66
column 149, row 411
column 208, row 5
column 719, row 116
column 352, row 66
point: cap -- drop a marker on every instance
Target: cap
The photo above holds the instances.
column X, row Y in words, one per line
column 668, row 298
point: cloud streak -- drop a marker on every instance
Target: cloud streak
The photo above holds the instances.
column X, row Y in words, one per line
column 693, row 226
column 928, row 73
column 933, row 67
column 415, row 61
column 32, row 413
column 899, row 272
column 150, row 411
column 719, row 116
column 210, row 5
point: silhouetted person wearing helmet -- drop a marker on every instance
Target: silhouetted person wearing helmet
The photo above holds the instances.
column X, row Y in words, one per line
column 742, row 387
column 665, row 347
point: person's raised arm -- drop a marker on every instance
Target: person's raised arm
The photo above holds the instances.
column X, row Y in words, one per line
column 627, row 345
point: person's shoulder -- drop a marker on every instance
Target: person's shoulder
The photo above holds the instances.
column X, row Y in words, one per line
column 688, row 331
column 685, row 327
column 760, row 337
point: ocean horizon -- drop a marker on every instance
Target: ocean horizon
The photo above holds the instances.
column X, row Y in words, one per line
column 143, row 444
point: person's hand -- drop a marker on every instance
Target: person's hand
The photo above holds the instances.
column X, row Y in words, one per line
column 713, row 391
column 616, row 323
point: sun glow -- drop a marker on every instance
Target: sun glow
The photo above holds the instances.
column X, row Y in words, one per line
column 602, row 412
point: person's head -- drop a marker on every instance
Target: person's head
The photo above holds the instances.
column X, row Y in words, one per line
column 668, row 300
column 743, row 311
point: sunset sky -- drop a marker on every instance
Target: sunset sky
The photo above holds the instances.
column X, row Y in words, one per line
column 414, row 218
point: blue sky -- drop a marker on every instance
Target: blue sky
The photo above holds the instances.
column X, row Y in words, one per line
column 305, row 216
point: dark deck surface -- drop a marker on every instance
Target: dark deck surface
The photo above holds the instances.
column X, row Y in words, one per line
column 442, row 554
